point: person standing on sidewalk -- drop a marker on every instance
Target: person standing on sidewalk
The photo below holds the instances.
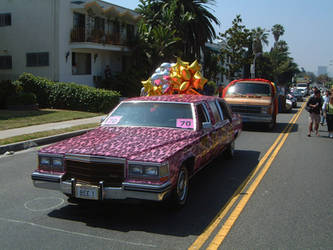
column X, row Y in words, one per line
column 326, row 99
column 329, row 117
column 314, row 105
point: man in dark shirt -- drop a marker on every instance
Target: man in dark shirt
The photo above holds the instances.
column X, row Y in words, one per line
column 314, row 104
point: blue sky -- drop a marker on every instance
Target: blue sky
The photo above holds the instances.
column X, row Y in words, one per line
column 308, row 25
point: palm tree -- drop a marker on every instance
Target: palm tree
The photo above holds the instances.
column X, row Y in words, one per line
column 194, row 24
column 277, row 31
column 259, row 37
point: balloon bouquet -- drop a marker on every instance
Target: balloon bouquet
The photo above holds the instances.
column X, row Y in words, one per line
column 175, row 78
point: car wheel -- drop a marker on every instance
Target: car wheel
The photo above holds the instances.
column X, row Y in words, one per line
column 180, row 192
column 229, row 151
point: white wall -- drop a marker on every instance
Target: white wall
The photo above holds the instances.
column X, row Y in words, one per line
column 31, row 31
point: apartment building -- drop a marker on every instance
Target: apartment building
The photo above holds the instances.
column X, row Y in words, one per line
column 64, row 40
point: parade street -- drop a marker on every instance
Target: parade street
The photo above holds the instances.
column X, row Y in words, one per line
column 276, row 193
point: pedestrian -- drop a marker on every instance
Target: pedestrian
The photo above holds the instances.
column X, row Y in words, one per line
column 326, row 99
column 329, row 117
column 313, row 106
column 107, row 72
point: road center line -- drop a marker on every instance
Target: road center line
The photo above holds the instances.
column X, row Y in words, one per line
column 201, row 239
column 218, row 239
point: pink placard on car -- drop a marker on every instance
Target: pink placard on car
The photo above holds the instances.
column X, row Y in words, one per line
column 184, row 123
column 112, row 120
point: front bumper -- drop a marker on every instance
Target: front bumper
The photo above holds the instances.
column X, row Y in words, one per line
column 126, row 191
column 257, row 118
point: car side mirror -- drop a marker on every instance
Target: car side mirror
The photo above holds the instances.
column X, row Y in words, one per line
column 206, row 125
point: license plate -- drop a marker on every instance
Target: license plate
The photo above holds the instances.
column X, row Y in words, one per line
column 86, row 192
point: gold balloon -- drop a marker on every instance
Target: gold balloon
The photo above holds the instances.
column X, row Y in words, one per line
column 194, row 67
column 186, row 75
column 202, row 80
column 147, row 85
column 182, row 63
column 184, row 86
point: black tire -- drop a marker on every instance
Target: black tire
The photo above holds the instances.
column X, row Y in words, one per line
column 229, row 152
column 272, row 124
column 180, row 193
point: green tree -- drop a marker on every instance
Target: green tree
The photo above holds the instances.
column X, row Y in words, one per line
column 236, row 51
column 189, row 21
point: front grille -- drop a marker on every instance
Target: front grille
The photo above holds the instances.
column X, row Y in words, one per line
column 93, row 172
column 245, row 109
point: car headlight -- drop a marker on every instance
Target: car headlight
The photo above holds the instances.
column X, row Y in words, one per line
column 45, row 161
column 151, row 171
column 142, row 170
column 51, row 164
column 58, row 165
column 136, row 170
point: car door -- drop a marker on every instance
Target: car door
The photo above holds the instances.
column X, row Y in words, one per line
column 203, row 146
column 227, row 123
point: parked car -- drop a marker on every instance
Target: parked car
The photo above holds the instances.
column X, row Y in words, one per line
column 147, row 148
column 292, row 99
column 254, row 99
column 298, row 94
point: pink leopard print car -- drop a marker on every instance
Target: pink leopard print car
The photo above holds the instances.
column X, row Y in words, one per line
column 146, row 148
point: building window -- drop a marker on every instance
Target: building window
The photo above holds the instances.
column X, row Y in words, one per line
column 37, row 59
column 5, row 62
column 81, row 63
column 5, row 19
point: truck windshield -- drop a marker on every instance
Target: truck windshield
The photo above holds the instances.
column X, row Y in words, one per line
column 249, row 88
column 302, row 85
column 151, row 114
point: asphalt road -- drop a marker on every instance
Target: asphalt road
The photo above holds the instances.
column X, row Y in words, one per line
column 291, row 208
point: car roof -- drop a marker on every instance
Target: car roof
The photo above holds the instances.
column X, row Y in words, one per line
column 174, row 98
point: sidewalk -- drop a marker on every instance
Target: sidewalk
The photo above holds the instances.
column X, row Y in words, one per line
column 44, row 127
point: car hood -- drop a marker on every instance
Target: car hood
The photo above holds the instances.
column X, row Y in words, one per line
column 132, row 143
column 249, row 100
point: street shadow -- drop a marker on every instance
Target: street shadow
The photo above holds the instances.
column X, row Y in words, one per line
column 210, row 191
column 279, row 127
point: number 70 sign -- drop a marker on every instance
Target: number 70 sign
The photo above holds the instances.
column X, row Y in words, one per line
column 184, row 123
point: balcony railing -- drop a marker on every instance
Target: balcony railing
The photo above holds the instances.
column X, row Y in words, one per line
column 98, row 36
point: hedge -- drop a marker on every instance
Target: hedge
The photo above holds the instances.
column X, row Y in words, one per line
column 6, row 89
column 69, row 95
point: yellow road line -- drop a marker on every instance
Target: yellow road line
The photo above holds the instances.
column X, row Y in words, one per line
column 215, row 222
column 218, row 239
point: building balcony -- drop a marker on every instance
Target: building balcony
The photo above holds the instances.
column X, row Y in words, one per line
column 81, row 35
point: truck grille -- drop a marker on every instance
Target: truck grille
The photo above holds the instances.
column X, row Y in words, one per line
column 92, row 172
column 245, row 109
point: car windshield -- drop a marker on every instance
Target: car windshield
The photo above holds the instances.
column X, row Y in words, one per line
column 249, row 88
column 151, row 114
column 302, row 85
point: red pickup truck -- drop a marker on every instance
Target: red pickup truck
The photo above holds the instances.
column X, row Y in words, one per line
column 146, row 148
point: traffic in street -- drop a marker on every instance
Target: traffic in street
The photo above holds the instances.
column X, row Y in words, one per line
column 275, row 193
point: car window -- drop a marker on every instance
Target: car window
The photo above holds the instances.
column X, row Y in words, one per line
column 215, row 111
column 249, row 88
column 226, row 112
column 202, row 115
column 151, row 114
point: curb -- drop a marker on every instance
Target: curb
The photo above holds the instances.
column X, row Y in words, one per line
column 40, row 141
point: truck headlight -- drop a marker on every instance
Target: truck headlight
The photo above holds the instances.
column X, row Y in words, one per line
column 266, row 109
